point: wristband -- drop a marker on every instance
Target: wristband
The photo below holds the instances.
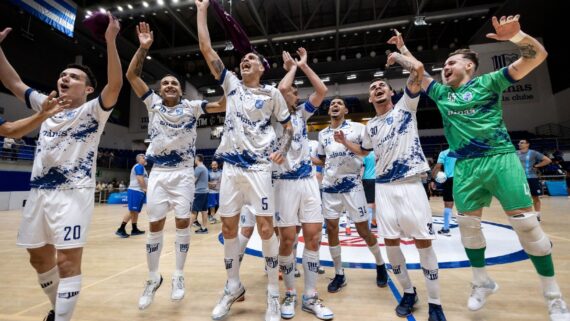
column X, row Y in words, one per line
column 518, row 37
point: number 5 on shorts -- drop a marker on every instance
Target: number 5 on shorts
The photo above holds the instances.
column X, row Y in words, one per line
column 264, row 205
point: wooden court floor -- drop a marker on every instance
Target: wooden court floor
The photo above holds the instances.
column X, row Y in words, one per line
column 114, row 271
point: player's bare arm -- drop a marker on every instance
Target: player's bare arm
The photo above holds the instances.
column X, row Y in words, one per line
column 110, row 92
column 416, row 69
column 284, row 144
column 134, row 72
column 9, row 77
column 218, row 106
column 212, row 59
column 285, row 85
column 318, row 95
column 340, row 138
column 532, row 51
column 398, row 41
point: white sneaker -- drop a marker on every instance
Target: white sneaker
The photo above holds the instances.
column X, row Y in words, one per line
column 177, row 288
column 288, row 305
column 557, row 308
column 273, row 312
column 222, row 309
column 148, row 293
column 479, row 294
column 315, row 306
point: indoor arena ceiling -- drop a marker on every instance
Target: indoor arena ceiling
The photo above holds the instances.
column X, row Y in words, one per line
column 341, row 36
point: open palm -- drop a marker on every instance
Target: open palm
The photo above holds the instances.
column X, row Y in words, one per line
column 505, row 28
column 145, row 35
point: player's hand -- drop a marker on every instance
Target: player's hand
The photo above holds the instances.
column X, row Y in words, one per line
column 277, row 158
column 288, row 61
column 391, row 59
column 397, row 39
column 339, row 137
column 145, row 35
column 112, row 29
column 52, row 105
column 4, row 34
column 505, row 28
column 302, row 62
column 202, row 4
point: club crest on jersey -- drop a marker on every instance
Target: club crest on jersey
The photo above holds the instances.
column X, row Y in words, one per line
column 467, row 96
column 179, row 111
column 258, row 103
column 389, row 120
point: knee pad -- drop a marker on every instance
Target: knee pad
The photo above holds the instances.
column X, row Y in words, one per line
column 533, row 239
column 471, row 234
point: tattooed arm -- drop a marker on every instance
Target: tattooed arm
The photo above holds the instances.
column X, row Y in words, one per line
column 532, row 51
column 411, row 64
column 212, row 59
column 398, row 41
column 284, row 144
column 134, row 72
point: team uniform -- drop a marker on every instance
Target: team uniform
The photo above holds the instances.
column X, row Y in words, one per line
column 528, row 160
column 342, row 183
column 135, row 194
column 448, row 163
column 402, row 206
column 247, row 142
column 486, row 161
column 61, row 199
column 297, row 198
column 172, row 149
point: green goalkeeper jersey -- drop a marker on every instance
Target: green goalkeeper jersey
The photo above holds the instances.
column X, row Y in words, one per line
column 473, row 115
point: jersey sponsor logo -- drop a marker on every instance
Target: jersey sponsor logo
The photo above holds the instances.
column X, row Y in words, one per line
column 67, row 295
column 503, row 247
column 471, row 111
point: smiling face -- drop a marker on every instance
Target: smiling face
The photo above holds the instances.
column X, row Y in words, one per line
column 337, row 109
column 457, row 70
column 251, row 66
column 170, row 89
column 379, row 92
column 73, row 82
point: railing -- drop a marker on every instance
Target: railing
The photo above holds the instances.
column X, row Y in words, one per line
column 16, row 152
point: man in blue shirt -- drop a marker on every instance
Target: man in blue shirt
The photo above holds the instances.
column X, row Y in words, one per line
column 136, row 197
column 368, row 181
column 531, row 161
column 448, row 164
column 200, row 204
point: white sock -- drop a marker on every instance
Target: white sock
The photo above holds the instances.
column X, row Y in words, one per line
column 549, row 285
column 337, row 259
column 480, row 276
column 49, row 282
column 375, row 250
column 67, row 295
column 428, row 261
column 311, row 269
column 153, row 249
column 270, row 250
column 287, row 266
column 398, row 262
column 242, row 245
column 231, row 259
column 181, row 246
column 295, row 251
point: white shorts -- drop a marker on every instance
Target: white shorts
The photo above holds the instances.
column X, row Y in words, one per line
column 240, row 187
column 246, row 218
column 170, row 189
column 297, row 202
column 58, row 217
column 354, row 203
column 402, row 210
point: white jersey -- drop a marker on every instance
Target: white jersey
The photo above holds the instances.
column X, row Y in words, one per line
column 248, row 137
column 342, row 167
column 66, row 153
column 395, row 141
column 297, row 162
column 138, row 170
column 172, row 131
column 313, row 148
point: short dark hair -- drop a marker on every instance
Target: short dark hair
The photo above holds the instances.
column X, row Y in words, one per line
column 526, row 140
column 467, row 54
column 200, row 157
column 91, row 79
column 375, row 79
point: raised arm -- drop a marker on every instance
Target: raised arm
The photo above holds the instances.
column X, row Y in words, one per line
column 134, row 72
column 398, row 41
column 19, row 128
column 218, row 106
column 532, row 52
column 110, row 92
column 416, row 69
column 339, row 137
column 9, row 77
column 318, row 95
column 285, row 85
column 212, row 59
